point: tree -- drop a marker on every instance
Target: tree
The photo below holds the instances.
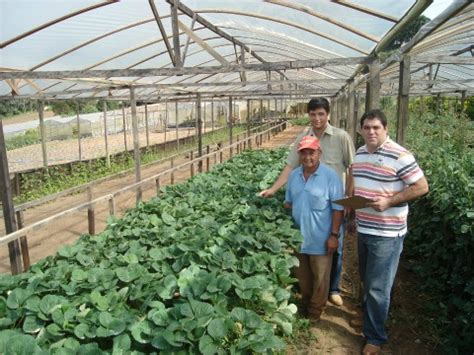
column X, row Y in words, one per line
column 407, row 34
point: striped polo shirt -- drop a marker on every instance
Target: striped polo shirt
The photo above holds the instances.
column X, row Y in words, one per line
column 384, row 173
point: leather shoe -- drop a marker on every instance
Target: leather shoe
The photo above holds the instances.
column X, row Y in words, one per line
column 371, row 349
column 336, row 299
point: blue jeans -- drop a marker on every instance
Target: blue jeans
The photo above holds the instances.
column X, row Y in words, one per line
column 336, row 268
column 378, row 263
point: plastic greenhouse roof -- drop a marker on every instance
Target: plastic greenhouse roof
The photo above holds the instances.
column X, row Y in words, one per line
column 449, row 37
column 98, row 49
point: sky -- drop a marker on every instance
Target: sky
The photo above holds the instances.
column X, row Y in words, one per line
column 436, row 8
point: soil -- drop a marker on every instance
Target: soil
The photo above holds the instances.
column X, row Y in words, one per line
column 332, row 335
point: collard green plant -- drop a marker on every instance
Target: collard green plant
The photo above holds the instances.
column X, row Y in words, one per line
column 204, row 268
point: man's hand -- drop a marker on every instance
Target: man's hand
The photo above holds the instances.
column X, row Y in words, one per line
column 332, row 244
column 379, row 204
column 267, row 193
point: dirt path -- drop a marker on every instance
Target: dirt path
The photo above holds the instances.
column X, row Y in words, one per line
column 333, row 335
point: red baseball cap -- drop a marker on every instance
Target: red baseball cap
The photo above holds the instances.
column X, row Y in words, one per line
column 309, row 142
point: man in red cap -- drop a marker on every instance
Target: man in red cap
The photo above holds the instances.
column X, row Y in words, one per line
column 312, row 188
column 338, row 154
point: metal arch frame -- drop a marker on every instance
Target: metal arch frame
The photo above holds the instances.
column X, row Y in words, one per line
column 56, row 20
column 261, row 32
column 278, row 46
column 287, row 23
column 366, row 10
column 309, row 11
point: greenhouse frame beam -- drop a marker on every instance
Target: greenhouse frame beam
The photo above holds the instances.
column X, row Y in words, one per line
column 174, row 25
column 162, row 31
column 366, row 10
column 186, row 10
column 57, row 20
column 443, row 59
column 287, row 23
column 309, row 11
column 202, row 43
column 267, row 66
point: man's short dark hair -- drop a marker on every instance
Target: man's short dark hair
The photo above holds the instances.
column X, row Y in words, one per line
column 319, row 102
column 374, row 114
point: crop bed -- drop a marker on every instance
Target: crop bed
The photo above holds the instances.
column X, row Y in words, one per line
column 204, row 268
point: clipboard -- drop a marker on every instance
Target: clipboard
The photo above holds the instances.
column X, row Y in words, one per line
column 355, row 202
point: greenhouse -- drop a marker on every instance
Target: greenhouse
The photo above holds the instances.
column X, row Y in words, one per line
column 135, row 196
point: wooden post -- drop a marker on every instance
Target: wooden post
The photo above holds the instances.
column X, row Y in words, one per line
column 112, row 206
column 25, row 254
column 107, row 155
column 248, row 122
column 79, row 132
column 165, row 125
column 212, row 116
column 136, row 142
column 231, row 124
column 261, row 112
column 7, row 205
column 403, row 96
column 351, row 116
column 176, row 124
column 208, row 150
column 43, row 134
column 158, row 186
column 438, row 102
column 90, row 212
column 192, row 164
column 199, row 129
column 221, row 155
column 147, row 131
column 172, row 173
column 373, row 87
column 463, row 102
column 124, row 128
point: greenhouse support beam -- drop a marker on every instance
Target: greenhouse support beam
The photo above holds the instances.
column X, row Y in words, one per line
column 234, row 68
column 79, row 132
column 124, row 127
column 403, row 98
column 230, row 123
column 8, row 208
column 136, row 143
column 175, row 27
column 372, row 98
column 43, row 135
column 199, row 129
column 106, row 139
column 162, row 31
column 176, row 123
column 248, row 122
column 212, row 115
column 147, row 131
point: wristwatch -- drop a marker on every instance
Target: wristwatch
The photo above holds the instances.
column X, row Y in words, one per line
column 334, row 234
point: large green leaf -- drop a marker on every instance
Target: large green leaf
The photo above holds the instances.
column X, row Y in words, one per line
column 17, row 298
